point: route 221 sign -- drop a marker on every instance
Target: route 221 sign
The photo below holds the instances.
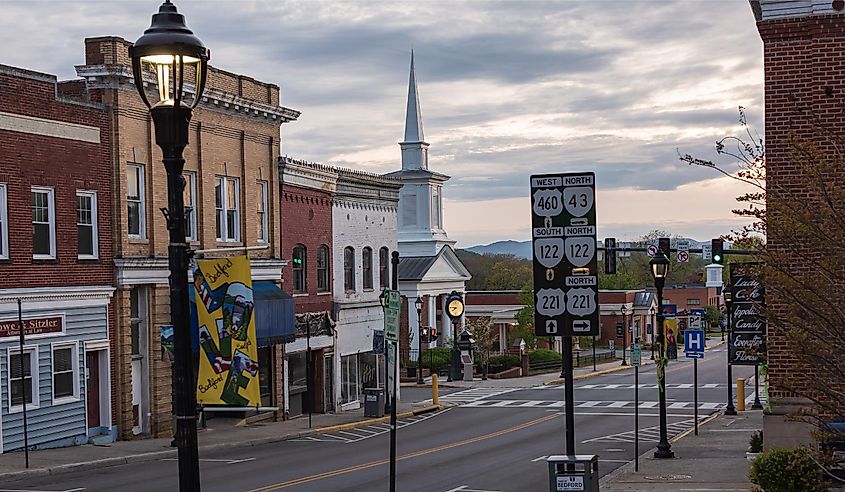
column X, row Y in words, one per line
column 563, row 224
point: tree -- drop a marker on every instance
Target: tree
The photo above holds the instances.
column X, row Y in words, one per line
column 804, row 218
column 712, row 315
column 485, row 336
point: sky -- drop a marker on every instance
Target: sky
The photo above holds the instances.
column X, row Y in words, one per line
column 507, row 89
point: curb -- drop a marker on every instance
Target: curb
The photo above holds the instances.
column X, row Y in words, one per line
column 170, row 453
column 592, row 374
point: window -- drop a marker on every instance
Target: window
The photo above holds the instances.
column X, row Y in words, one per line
column 23, row 386
column 693, row 302
column 227, row 203
column 135, row 214
column 299, row 272
column 43, row 223
column 349, row 378
column 65, row 372
column 349, row 269
column 436, row 208
column 86, row 224
column 189, row 195
column 383, row 268
column 135, row 300
column 367, row 266
column 323, row 268
column 4, row 223
column 263, row 216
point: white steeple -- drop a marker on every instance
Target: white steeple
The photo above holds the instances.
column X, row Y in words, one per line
column 414, row 148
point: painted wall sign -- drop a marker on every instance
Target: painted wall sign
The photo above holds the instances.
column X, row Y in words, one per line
column 32, row 326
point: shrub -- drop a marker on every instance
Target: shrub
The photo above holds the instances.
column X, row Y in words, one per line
column 437, row 359
column 500, row 363
column 786, row 470
column 755, row 444
column 540, row 356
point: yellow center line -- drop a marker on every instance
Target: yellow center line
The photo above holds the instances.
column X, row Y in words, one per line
column 415, row 454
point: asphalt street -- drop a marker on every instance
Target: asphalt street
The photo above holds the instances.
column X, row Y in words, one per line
column 491, row 439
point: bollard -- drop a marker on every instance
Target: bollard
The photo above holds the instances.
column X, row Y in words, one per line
column 435, row 392
column 740, row 394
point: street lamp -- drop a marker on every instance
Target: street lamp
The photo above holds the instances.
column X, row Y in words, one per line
column 624, row 311
column 652, row 312
column 730, row 409
column 659, row 269
column 419, row 304
column 169, row 51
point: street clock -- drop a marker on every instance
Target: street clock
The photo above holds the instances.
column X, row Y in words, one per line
column 455, row 306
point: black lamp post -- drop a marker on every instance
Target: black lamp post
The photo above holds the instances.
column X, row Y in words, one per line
column 418, row 304
column 624, row 311
column 653, row 312
column 170, row 52
column 659, row 269
column 730, row 409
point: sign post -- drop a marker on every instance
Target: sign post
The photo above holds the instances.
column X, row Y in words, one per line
column 563, row 221
column 636, row 361
column 694, row 349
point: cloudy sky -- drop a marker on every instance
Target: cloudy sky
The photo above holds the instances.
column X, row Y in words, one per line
column 507, row 89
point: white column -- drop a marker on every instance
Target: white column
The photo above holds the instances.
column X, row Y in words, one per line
column 413, row 327
column 431, row 302
column 445, row 324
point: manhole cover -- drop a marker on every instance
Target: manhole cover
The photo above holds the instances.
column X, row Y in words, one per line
column 669, row 477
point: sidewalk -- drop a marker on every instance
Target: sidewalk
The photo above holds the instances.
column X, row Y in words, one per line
column 714, row 460
column 220, row 433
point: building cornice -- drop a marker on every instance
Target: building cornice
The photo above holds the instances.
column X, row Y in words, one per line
column 144, row 270
column 307, row 174
column 120, row 77
column 101, row 293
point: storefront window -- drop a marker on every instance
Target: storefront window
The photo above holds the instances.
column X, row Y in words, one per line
column 367, row 369
column 349, row 390
column 22, row 384
column 296, row 370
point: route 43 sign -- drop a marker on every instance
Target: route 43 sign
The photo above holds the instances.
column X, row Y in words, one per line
column 563, row 224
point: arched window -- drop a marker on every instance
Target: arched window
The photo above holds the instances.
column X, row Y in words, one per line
column 299, row 272
column 323, row 269
column 383, row 267
column 367, row 267
column 349, row 269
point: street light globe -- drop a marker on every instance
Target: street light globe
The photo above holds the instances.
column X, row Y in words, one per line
column 418, row 303
column 172, row 52
column 659, row 265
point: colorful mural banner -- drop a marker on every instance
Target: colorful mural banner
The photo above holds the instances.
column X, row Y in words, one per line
column 228, row 362
column 670, row 327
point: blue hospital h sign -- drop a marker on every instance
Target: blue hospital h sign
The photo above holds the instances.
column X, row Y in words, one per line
column 694, row 344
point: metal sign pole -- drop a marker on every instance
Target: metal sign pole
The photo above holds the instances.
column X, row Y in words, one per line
column 569, row 394
column 594, row 353
column 637, row 418
column 310, row 397
column 21, row 338
column 394, row 261
column 695, row 391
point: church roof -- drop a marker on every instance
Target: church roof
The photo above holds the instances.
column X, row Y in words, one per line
column 413, row 117
column 415, row 268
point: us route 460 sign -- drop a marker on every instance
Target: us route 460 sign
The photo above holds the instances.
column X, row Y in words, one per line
column 563, row 224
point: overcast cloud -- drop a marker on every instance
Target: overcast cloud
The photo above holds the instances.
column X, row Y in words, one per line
column 507, row 89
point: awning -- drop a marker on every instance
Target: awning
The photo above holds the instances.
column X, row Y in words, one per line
column 274, row 315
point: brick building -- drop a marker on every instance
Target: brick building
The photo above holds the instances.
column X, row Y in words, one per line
column 306, row 198
column 55, row 259
column 231, row 197
column 803, row 41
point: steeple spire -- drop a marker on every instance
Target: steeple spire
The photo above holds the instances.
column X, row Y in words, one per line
column 414, row 147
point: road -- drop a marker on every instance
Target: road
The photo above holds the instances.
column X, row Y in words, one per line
column 493, row 439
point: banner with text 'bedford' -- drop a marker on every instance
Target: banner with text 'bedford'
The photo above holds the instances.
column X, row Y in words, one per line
column 228, row 366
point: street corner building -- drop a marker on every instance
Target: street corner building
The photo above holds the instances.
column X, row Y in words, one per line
column 231, row 200
column 55, row 263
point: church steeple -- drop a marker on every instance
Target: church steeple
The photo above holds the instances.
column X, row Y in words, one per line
column 414, row 148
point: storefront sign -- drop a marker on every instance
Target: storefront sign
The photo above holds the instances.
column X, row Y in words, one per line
column 32, row 326
column 748, row 320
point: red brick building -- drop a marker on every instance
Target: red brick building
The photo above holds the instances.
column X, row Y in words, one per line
column 803, row 44
column 56, row 260
column 306, row 198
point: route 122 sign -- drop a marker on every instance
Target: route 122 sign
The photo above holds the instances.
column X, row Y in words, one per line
column 563, row 225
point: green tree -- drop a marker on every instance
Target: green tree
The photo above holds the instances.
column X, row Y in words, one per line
column 485, row 336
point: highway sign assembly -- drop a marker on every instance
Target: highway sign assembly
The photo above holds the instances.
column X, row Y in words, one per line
column 636, row 354
column 694, row 344
column 563, row 220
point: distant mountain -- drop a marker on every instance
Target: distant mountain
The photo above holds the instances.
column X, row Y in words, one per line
column 520, row 249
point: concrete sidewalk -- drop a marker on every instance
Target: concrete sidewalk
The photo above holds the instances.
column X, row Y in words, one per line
column 714, row 460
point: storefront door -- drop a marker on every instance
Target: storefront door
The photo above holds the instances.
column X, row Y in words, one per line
column 92, row 396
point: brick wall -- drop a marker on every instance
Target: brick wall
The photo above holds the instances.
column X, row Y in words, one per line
column 306, row 218
column 64, row 164
column 804, row 68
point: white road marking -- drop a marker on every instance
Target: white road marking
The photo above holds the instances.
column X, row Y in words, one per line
column 210, row 460
column 31, row 490
column 675, row 405
column 539, row 458
column 360, row 434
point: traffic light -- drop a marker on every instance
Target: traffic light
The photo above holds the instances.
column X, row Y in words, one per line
column 664, row 244
column 297, row 262
column 717, row 247
column 432, row 334
column 610, row 255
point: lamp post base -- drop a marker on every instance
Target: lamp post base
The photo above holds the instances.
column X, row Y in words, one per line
column 730, row 411
column 757, row 405
column 664, row 451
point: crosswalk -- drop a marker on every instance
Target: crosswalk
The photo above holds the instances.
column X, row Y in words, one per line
column 648, row 434
column 607, row 386
column 362, row 433
column 474, row 394
column 597, row 404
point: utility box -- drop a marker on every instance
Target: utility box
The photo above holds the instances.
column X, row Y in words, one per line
column 373, row 402
column 579, row 472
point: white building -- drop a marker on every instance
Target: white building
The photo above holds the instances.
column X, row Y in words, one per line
column 428, row 265
column 364, row 236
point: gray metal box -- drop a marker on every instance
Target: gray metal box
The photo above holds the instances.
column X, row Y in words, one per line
column 578, row 473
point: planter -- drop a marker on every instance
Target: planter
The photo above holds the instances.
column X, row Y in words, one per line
column 750, row 456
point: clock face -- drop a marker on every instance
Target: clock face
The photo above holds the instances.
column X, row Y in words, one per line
column 456, row 308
